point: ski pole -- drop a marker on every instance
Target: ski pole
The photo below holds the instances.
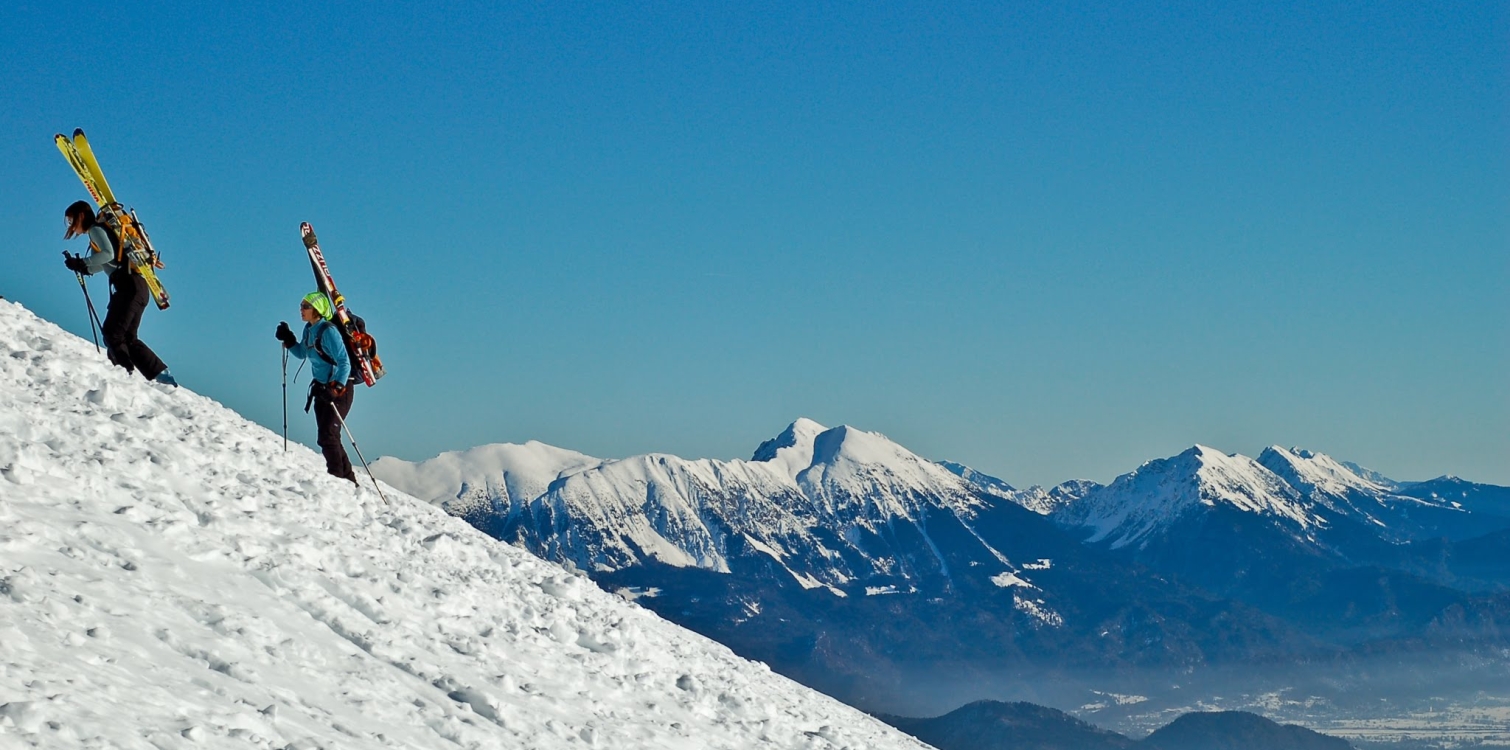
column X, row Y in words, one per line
column 285, row 396
column 94, row 317
column 92, row 314
column 353, row 439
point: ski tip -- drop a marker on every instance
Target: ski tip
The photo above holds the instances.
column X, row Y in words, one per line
column 305, row 228
column 78, row 132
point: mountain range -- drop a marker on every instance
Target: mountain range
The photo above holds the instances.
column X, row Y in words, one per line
column 1341, row 556
column 993, row 725
column 894, row 582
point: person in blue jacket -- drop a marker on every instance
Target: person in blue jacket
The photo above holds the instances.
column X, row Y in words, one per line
column 331, row 377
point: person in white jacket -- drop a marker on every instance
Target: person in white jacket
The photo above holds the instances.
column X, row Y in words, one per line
column 128, row 295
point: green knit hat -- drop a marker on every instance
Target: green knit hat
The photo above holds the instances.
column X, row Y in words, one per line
column 321, row 304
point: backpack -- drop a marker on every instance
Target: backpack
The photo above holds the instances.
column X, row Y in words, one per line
column 359, row 346
column 111, row 218
column 115, row 237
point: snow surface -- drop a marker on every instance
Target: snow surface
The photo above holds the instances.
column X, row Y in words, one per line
column 171, row 578
column 1008, row 580
column 1038, row 610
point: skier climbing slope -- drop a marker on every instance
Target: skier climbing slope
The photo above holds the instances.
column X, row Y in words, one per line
column 169, row 577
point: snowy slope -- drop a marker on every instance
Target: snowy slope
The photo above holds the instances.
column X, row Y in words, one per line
column 1371, row 475
column 1158, row 493
column 1310, row 471
column 1338, row 491
column 982, row 481
column 170, row 578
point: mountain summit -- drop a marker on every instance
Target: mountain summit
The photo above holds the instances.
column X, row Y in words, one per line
column 846, row 461
column 1148, row 501
column 793, row 448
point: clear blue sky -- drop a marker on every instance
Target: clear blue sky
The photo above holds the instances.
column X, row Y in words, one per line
column 1049, row 241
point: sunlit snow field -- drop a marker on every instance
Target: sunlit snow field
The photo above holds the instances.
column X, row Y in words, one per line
column 171, row 577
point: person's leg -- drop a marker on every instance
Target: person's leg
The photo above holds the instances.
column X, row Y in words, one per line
column 143, row 358
column 328, row 437
column 344, row 404
column 119, row 313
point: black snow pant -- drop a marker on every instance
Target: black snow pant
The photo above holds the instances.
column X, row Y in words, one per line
column 329, row 428
column 123, row 316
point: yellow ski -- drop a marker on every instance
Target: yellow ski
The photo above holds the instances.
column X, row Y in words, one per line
column 147, row 270
column 79, row 168
column 136, row 249
column 82, row 144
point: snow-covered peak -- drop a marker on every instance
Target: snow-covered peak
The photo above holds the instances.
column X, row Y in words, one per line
column 502, row 471
column 848, row 459
column 171, row 577
column 1246, row 484
column 1309, row 471
column 792, row 450
column 843, row 457
column 1159, row 492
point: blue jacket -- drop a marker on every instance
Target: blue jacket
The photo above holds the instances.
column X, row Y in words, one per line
column 332, row 345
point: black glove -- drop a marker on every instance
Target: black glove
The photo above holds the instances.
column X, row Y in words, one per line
column 285, row 335
column 76, row 264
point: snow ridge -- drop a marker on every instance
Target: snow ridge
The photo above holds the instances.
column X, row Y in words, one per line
column 170, row 577
column 985, row 482
column 1158, row 493
column 1309, row 471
